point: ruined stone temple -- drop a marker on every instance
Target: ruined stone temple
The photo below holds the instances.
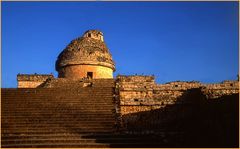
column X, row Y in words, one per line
column 87, row 56
column 85, row 106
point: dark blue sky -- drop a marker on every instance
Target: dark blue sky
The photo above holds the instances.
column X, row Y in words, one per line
column 172, row 40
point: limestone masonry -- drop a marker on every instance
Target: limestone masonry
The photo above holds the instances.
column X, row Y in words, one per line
column 86, row 107
column 141, row 93
column 32, row 80
column 88, row 57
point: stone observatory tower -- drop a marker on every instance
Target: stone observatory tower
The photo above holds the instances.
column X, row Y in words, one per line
column 86, row 56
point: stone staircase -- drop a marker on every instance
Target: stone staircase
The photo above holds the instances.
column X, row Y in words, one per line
column 66, row 117
column 57, row 117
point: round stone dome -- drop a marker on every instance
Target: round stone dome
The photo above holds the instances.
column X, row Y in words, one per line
column 85, row 54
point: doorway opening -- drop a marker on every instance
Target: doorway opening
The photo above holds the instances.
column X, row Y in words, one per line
column 89, row 75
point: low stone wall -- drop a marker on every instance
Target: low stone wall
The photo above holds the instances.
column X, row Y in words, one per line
column 178, row 85
column 29, row 84
column 182, row 111
column 213, row 91
column 195, row 121
column 141, row 93
column 128, row 109
column 32, row 80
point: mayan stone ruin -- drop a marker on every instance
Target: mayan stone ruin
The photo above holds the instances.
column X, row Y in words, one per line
column 87, row 56
column 85, row 106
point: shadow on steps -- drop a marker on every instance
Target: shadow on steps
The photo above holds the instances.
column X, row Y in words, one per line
column 196, row 122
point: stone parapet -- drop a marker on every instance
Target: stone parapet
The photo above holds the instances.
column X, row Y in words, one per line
column 141, row 93
column 136, row 78
column 227, row 87
column 33, row 77
column 32, row 80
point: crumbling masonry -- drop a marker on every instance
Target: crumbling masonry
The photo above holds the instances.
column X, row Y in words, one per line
column 88, row 57
column 86, row 107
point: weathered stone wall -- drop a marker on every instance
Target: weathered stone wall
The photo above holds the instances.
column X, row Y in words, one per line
column 147, row 107
column 80, row 71
column 141, row 93
column 29, row 84
column 178, row 85
column 213, row 91
column 32, row 80
column 134, row 92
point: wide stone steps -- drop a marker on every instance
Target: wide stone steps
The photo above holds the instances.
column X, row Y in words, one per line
column 100, row 99
column 59, row 93
column 47, row 115
column 92, row 109
column 58, row 145
column 89, row 145
column 70, row 116
column 60, row 83
column 63, row 96
column 86, row 139
column 67, row 116
column 58, row 104
column 104, row 101
column 43, row 117
column 110, row 140
column 56, row 120
column 62, row 105
column 83, row 123
column 75, row 140
column 57, row 115
column 57, row 125
column 38, row 118
column 79, row 98
column 32, row 131
column 58, row 130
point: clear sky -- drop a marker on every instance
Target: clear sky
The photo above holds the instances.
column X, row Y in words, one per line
column 172, row 40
